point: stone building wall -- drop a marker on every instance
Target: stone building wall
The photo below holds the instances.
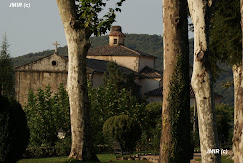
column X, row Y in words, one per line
column 49, row 71
column 26, row 80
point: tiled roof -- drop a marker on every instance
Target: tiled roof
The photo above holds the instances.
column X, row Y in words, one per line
column 100, row 66
column 159, row 92
column 156, row 92
column 116, row 51
column 150, row 72
column 117, row 33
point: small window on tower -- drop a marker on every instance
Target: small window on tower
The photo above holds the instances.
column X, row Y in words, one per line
column 115, row 41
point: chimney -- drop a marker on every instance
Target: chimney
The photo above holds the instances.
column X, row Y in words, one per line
column 116, row 37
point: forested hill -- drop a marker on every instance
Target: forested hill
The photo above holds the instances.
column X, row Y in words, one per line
column 151, row 44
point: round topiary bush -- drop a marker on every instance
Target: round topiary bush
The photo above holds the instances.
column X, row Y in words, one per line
column 123, row 129
column 14, row 135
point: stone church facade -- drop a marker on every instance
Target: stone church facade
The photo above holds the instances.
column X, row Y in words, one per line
column 51, row 70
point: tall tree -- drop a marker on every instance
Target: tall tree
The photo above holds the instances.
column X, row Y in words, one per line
column 238, row 111
column 80, row 21
column 6, row 72
column 201, row 12
column 226, row 45
column 175, row 137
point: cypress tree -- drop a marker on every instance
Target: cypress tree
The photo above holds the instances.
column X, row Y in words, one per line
column 6, row 71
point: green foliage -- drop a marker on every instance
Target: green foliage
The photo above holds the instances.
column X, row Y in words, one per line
column 151, row 127
column 179, row 110
column 107, row 102
column 225, row 77
column 124, row 130
column 6, row 72
column 14, row 135
column 225, row 44
column 88, row 12
column 118, row 80
column 63, row 146
column 112, row 99
column 225, row 121
column 46, row 114
column 115, row 76
column 225, row 30
column 39, row 152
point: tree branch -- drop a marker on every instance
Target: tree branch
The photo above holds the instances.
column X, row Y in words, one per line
column 68, row 10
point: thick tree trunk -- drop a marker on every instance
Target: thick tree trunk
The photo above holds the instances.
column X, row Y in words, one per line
column 238, row 106
column 78, row 44
column 175, row 137
column 238, row 114
column 200, row 11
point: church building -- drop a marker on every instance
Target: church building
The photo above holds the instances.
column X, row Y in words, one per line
column 52, row 70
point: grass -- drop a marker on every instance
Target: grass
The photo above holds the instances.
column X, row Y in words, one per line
column 224, row 159
column 104, row 158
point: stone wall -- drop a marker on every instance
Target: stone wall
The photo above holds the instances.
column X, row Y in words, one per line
column 26, row 80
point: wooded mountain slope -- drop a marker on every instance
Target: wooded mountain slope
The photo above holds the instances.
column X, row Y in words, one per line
column 151, row 44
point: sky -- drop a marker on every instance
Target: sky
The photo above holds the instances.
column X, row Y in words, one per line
column 36, row 28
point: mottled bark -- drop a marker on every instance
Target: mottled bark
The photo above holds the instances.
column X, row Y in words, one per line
column 238, row 105
column 200, row 11
column 175, row 137
column 77, row 37
column 238, row 114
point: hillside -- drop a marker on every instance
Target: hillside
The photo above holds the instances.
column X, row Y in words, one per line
column 151, row 44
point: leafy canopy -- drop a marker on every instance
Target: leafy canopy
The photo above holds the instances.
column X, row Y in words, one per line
column 46, row 114
column 225, row 30
column 88, row 12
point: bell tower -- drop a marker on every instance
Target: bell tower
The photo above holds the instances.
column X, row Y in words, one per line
column 116, row 37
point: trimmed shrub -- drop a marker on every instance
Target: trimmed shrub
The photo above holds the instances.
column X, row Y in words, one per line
column 14, row 135
column 123, row 129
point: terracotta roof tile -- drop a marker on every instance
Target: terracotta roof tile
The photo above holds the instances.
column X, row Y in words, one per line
column 100, row 66
column 156, row 92
column 150, row 72
column 117, row 33
column 116, row 51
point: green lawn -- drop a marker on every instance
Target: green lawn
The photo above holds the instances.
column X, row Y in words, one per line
column 224, row 159
column 105, row 158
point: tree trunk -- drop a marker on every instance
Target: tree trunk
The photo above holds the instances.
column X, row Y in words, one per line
column 238, row 106
column 238, row 114
column 200, row 11
column 78, row 44
column 175, row 137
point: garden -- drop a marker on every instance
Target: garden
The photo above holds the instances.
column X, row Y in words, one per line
column 120, row 121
